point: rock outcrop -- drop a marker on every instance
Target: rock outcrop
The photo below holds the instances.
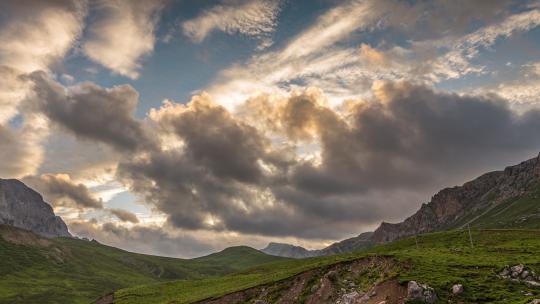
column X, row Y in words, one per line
column 451, row 206
column 24, row 208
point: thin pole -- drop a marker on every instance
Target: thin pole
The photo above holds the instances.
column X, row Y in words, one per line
column 470, row 236
column 416, row 240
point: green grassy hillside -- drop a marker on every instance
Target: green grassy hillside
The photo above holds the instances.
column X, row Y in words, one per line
column 440, row 260
column 522, row 212
column 65, row 270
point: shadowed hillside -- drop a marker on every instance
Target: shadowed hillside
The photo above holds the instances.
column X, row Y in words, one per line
column 34, row 269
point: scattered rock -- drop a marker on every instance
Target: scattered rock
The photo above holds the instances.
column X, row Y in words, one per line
column 535, row 301
column 520, row 274
column 350, row 298
column 457, row 289
column 314, row 288
column 414, row 290
column 259, row 302
column 421, row 292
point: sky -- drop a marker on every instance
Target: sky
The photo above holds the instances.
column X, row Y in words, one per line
column 180, row 128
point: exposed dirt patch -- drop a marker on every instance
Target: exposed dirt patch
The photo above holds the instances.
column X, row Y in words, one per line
column 108, row 299
column 388, row 291
column 370, row 279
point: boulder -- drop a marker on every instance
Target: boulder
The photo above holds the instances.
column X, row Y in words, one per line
column 457, row 289
column 517, row 268
column 414, row 290
column 421, row 292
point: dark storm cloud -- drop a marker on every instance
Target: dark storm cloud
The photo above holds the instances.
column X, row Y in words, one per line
column 149, row 240
column 379, row 156
column 60, row 190
column 124, row 215
column 413, row 137
column 216, row 172
column 215, row 140
column 92, row 112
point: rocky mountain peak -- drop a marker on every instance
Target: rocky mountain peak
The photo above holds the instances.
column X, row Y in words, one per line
column 22, row 207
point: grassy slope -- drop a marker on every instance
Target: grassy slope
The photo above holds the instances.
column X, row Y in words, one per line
column 523, row 212
column 442, row 259
column 75, row 271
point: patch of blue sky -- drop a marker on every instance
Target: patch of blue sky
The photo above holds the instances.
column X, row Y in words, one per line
column 503, row 61
column 128, row 201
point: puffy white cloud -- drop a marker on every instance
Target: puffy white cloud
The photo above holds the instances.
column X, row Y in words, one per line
column 33, row 36
column 21, row 148
column 38, row 33
column 122, row 33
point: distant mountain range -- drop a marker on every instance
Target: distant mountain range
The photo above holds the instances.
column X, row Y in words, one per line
column 499, row 199
column 363, row 241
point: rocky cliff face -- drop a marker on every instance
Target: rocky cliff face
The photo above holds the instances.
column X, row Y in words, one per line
column 24, row 208
column 457, row 206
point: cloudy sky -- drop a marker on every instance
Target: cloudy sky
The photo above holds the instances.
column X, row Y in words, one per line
column 183, row 127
